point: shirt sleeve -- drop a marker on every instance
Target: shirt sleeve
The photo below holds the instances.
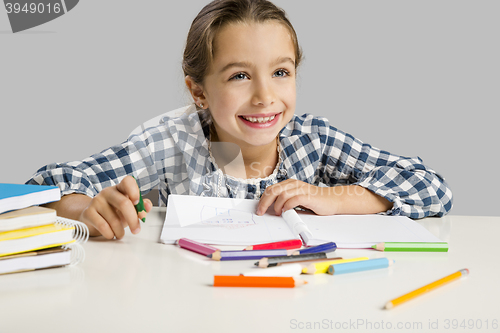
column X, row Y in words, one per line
column 414, row 189
column 137, row 156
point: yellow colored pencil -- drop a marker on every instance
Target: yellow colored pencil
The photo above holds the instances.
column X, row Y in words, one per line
column 322, row 266
column 426, row 288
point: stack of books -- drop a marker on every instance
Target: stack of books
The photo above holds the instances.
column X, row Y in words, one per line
column 34, row 237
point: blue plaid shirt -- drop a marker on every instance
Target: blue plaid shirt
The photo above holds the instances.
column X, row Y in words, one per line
column 174, row 157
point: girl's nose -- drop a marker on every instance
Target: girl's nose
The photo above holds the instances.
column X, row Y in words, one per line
column 263, row 94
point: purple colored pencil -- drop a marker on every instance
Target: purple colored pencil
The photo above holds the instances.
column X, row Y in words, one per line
column 249, row 254
column 200, row 248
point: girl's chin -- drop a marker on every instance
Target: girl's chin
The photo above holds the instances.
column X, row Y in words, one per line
column 261, row 141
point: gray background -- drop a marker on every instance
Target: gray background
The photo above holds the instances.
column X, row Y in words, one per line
column 416, row 78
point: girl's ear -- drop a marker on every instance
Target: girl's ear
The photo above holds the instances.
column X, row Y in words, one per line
column 197, row 92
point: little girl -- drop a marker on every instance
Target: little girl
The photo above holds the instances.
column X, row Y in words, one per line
column 241, row 138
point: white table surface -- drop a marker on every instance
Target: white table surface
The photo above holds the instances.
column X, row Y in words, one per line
column 139, row 285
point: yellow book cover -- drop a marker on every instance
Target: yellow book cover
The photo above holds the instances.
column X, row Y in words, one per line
column 28, row 232
column 30, row 239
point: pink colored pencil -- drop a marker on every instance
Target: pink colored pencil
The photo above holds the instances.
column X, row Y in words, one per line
column 284, row 245
column 196, row 247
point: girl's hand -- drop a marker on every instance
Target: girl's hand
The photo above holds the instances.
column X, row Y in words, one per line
column 348, row 199
column 113, row 209
column 292, row 193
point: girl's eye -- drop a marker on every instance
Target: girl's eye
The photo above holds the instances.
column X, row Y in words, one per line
column 281, row 73
column 241, row 76
column 238, row 76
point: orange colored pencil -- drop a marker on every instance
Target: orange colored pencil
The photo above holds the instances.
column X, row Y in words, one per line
column 256, row 281
column 426, row 288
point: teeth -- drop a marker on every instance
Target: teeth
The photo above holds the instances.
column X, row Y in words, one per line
column 259, row 120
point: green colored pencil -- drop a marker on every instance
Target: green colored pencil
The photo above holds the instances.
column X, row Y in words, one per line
column 140, row 206
column 411, row 247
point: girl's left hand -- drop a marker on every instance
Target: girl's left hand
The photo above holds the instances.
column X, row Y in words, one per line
column 292, row 193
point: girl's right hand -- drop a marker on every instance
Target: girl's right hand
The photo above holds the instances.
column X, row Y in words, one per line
column 113, row 209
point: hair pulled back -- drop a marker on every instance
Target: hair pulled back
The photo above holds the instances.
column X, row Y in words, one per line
column 199, row 51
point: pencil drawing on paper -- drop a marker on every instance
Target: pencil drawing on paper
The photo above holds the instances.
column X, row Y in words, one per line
column 226, row 218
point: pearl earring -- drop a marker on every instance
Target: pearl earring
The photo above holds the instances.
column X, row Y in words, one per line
column 201, row 105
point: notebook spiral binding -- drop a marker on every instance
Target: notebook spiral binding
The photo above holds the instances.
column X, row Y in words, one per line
column 80, row 235
column 77, row 254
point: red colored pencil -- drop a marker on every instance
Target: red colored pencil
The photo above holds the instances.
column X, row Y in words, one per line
column 284, row 245
column 196, row 247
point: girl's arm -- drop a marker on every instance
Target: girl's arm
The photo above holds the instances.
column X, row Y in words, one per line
column 99, row 190
column 414, row 189
column 361, row 179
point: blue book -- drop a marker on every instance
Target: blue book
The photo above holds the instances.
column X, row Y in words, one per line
column 17, row 196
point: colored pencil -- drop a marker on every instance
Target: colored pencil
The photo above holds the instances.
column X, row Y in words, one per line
column 326, row 247
column 247, row 255
column 426, row 288
column 412, row 247
column 257, row 281
column 284, row 245
column 285, row 270
column 358, row 266
column 322, row 266
column 319, row 251
column 139, row 208
column 200, row 248
column 275, row 261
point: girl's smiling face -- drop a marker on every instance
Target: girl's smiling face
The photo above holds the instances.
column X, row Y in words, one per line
column 250, row 86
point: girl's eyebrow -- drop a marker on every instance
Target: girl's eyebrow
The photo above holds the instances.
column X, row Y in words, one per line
column 278, row 61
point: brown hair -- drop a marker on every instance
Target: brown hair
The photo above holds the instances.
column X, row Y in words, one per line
column 199, row 52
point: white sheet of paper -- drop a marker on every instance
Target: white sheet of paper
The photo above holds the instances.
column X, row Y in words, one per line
column 221, row 221
column 362, row 231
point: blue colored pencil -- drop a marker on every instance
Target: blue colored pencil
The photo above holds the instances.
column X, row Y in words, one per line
column 249, row 254
column 326, row 247
column 358, row 266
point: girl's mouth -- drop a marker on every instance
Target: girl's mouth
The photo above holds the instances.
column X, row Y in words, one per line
column 260, row 122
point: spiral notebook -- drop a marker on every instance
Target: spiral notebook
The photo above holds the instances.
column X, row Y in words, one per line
column 63, row 232
column 34, row 260
column 226, row 221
